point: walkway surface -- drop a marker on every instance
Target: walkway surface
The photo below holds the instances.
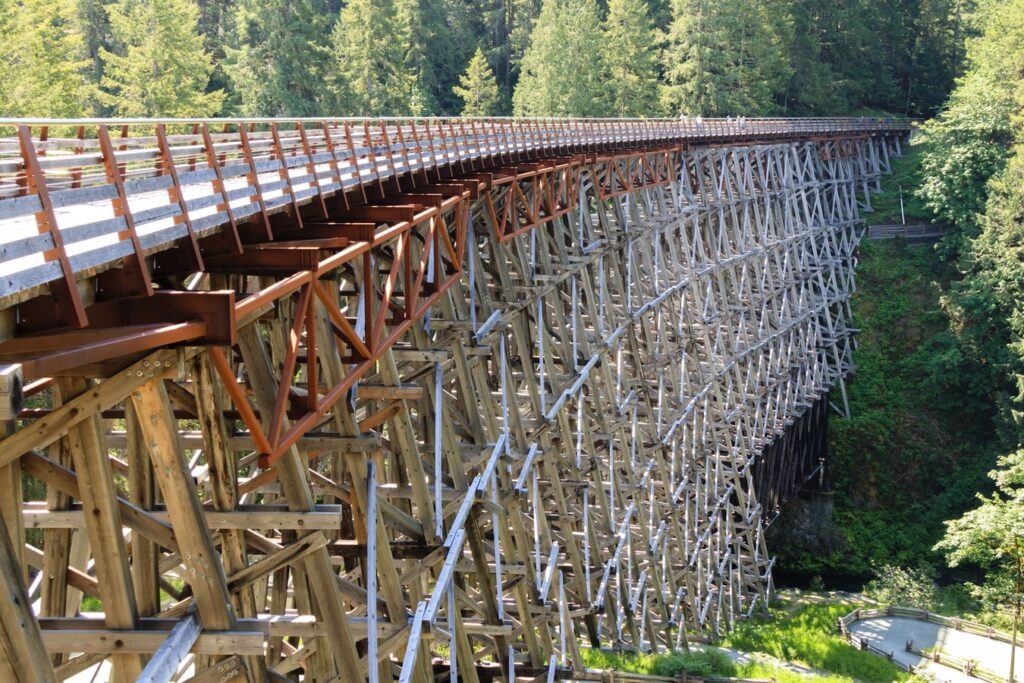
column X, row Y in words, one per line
column 892, row 633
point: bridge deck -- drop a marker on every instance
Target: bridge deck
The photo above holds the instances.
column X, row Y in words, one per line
column 73, row 206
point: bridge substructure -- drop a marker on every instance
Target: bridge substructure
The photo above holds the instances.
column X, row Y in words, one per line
column 395, row 399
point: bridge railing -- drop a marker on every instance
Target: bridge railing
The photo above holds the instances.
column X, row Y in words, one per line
column 78, row 196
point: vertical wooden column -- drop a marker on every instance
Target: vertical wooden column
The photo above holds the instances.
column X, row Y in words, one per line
column 22, row 656
column 85, row 441
column 203, row 568
column 10, row 505
column 295, row 486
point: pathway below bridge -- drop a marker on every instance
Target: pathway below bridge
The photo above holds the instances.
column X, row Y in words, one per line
column 892, row 633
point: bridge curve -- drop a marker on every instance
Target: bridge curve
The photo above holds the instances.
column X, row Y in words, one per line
column 566, row 368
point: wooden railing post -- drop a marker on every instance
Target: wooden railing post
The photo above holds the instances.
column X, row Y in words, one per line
column 65, row 290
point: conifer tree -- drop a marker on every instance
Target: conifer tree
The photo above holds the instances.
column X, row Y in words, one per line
column 477, row 87
column 277, row 70
column 160, row 67
column 44, row 65
column 417, row 64
column 631, row 59
column 449, row 31
column 370, row 73
column 509, row 24
column 562, row 71
column 727, row 56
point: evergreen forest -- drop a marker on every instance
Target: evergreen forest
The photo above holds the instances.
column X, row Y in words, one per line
column 646, row 58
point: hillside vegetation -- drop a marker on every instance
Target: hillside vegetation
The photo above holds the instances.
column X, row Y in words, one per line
column 936, row 434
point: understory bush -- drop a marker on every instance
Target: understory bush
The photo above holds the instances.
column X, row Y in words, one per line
column 904, row 587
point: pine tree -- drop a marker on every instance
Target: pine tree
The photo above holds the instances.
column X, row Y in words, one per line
column 160, row 67
column 478, row 89
column 44, row 65
column 370, row 75
column 727, row 56
column 277, row 70
column 416, row 62
column 95, row 25
column 450, row 31
column 562, row 70
column 509, row 24
column 631, row 59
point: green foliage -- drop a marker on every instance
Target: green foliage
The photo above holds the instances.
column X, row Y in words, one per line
column 278, row 67
column 329, row 57
column 920, row 440
column 159, row 66
column 504, row 28
column 708, row 662
column 44, row 65
column 450, row 31
column 631, row 59
column 562, row 70
column 992, row 535
column 801, row 634
column 970, row 141
column 904, row 587
column 809, row 636
column 371, row 76
column 477, row 88
column 727, row 57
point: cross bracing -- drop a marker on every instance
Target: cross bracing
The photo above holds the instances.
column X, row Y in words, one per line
column 461, row 413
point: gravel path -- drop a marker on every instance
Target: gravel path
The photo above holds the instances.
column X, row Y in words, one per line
column 892, row 633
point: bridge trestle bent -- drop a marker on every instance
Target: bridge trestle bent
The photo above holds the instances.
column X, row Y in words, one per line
column 512, row 407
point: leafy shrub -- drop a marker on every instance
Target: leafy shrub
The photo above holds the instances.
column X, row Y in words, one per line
column 705, row 663
column 904, row 586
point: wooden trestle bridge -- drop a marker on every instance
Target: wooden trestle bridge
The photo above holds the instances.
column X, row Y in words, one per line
column 330, row 400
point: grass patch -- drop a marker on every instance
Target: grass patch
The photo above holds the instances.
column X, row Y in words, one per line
column 779, row 675
column 704, row 663
column 808, row 636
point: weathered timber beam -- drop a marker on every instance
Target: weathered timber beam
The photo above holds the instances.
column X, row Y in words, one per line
column 94, row 400
column 131, row 516
column 36, row 518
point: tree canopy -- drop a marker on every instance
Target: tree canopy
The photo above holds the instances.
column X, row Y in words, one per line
column 477, row 88
column 159, row 66
column 549, row 57
column 562, row 70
